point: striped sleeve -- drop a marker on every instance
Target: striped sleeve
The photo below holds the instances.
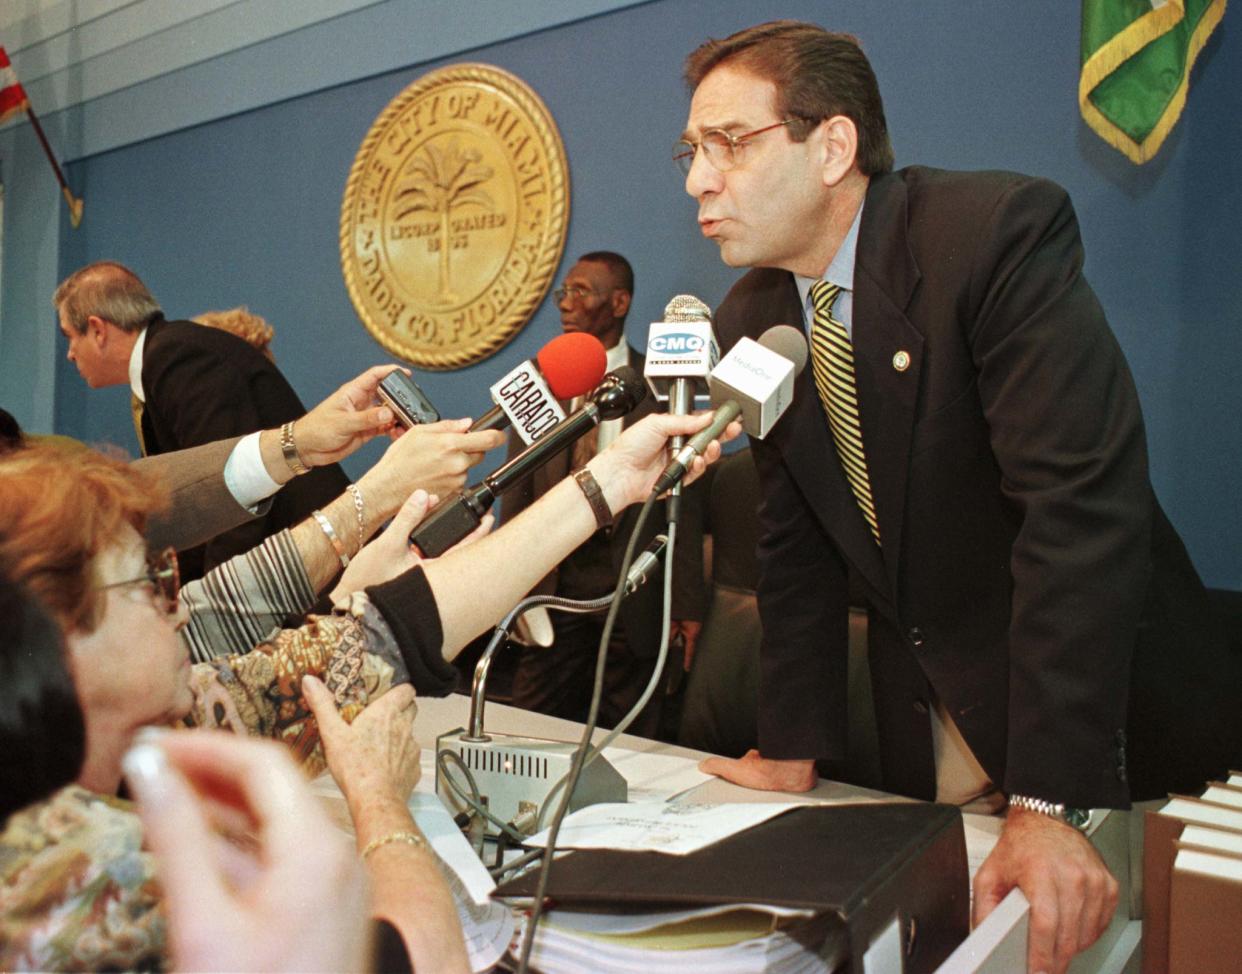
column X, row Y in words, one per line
column 240, row 603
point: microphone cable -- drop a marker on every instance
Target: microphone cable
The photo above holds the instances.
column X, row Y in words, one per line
column 584, row 745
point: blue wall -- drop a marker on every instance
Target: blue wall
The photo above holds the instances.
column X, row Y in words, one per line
column 246, row 209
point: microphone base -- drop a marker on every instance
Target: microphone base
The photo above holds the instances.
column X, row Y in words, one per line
column 516, row 774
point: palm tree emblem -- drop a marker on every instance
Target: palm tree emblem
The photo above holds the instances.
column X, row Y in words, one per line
column 442, row 182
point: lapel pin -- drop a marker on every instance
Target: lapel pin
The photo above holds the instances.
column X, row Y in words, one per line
column 901, row 361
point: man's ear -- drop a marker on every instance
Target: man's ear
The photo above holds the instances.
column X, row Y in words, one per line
column 838, row 139
column 97, row 330
column 621, row 303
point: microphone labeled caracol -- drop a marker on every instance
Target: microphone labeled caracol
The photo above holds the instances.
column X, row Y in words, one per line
column 526, row 397
column 456, row 516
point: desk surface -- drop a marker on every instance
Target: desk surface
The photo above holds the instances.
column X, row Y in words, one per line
column 998, row 946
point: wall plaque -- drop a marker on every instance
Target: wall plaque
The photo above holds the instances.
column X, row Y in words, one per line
column 454, row 216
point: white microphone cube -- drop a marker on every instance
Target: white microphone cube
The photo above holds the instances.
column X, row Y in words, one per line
column 758, row 378
column 679, row 350
column 528, row 402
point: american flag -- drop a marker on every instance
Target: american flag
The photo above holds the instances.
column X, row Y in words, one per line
column 12, row 96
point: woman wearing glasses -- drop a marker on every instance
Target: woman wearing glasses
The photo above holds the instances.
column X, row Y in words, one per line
column 76, row 888
column 70, row 531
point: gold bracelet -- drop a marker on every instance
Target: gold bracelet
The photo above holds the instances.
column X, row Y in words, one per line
column 322, row 520
column 290, row 451
column 412, row 838
column 360, row 510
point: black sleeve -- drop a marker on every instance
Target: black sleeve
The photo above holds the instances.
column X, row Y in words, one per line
column 388, row 955
column 409, row 607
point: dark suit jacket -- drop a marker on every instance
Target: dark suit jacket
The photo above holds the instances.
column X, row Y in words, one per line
column 203, row 384
column 640, row 612
column 1027, row 572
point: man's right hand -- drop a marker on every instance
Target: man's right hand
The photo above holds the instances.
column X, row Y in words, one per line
column 763, row 774
column 344, row 421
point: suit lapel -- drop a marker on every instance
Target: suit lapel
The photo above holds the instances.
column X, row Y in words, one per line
column 888, row 356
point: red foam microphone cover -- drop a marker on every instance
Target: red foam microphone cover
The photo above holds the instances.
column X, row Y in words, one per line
column 573, row 364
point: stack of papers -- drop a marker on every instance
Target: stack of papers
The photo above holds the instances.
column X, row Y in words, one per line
column 739, row 939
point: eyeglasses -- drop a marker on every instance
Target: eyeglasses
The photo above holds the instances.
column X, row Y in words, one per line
column 164, row 578
column 575, row 293
column 719, row 146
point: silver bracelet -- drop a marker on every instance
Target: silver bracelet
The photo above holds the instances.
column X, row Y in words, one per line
column 360, row 510
column 322, row 520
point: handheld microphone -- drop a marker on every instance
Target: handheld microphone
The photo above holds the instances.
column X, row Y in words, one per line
column 754, row 381
column 455, row 517
column 526, row 397
column 681, row 353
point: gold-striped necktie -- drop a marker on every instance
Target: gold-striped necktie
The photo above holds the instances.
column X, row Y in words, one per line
column 135, row 410
column 832, row 361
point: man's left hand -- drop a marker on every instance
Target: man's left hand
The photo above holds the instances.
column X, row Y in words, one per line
column 344, row 421
column 1071, row 892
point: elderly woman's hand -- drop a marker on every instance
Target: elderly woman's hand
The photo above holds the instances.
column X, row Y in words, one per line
column 376, row 758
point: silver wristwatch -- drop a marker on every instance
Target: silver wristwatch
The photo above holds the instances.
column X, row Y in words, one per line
column 1077, row 818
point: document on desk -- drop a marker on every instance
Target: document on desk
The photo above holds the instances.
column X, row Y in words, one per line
column 659, row 826
column 655, row 777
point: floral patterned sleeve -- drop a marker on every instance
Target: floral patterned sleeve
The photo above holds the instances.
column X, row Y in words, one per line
column 77, row 892
column 260, row 693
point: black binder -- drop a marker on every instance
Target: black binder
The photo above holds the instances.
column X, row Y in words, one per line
column 864, row 864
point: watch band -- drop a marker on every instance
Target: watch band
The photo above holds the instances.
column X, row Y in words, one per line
column 595, row 496
column 1077, row 818
column 290, row 451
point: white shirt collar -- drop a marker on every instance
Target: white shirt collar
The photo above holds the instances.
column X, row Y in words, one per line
column 618, row 355
column 135, row 366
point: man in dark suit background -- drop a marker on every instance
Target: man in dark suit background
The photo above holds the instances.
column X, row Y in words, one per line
column 191, row 385
column 557, row 679
column 1037, row 633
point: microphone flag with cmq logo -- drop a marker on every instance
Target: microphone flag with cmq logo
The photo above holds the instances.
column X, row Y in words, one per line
column 681, row 346
column 754, row 382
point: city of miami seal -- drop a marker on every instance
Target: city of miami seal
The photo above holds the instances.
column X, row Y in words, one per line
column 454, row 216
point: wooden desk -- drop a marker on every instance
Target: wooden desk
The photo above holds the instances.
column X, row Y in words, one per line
column 998, row 946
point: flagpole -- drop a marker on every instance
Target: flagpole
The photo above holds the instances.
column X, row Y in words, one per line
column 75, row 204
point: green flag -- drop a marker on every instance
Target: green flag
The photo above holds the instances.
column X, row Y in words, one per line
column 1136, row 61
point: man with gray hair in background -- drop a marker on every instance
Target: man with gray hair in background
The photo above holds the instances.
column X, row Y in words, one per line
column 191, row 385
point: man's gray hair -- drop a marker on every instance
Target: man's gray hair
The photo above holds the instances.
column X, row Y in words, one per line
column 110, row 291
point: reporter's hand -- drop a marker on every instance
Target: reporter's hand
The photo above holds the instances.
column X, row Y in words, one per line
column 1071, row 892
column 763, row 774
column 629, row 468
column 376, row 758
column 191, row 785
column 390, row 554
column 434, row 456
column 344, row 421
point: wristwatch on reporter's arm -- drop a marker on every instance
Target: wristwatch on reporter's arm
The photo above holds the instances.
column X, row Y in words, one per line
column 1076, row 818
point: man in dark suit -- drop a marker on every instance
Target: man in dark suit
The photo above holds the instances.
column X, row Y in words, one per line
column 557, row 679
column 968, row 445
column 191, row 385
